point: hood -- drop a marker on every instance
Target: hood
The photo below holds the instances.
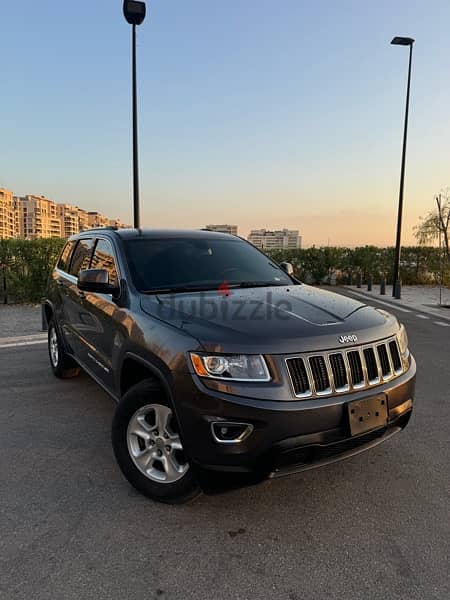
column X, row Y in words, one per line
column 275, row 320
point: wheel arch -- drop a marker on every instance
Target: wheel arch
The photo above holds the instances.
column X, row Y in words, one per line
column 135, row 369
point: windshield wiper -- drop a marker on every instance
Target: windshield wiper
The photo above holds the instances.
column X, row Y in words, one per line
column 179, row 289
column 254, row 284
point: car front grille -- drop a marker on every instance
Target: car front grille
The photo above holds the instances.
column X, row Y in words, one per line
column 335, row 372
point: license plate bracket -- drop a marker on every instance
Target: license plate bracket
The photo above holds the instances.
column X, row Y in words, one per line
column 367, row 414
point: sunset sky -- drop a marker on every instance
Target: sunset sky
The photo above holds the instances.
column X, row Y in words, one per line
column 263, row 114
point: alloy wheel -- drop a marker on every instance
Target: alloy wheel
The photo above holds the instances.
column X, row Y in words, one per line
column 154, row 444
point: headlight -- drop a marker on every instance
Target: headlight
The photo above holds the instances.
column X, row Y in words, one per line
column 238, row 367
column 402, row 338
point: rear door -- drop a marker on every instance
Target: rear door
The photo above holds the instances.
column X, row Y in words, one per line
column 61, row 280
column 77, row 319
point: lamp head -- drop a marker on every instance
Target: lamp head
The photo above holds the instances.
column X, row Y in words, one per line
column 134, row 12
column 402, row 41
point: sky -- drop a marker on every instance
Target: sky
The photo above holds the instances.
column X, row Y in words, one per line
column 253, row 112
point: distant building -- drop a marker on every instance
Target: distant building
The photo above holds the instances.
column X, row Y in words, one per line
column 37, row 218
column 119, row 224
column 8, row 215
column 96, row 219
column 83, row 219
column 69, row 219
column 284, row 239
column 32, row 217
column 232, row 229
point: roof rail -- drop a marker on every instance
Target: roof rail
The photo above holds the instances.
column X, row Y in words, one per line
column 108, row 228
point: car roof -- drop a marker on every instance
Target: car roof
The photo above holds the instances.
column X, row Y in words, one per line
column 155, row 233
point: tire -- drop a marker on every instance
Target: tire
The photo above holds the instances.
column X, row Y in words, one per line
column 63, row 365
column 148, row 448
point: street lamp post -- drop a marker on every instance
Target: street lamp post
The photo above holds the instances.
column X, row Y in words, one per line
column 397, row 285
column 134, row 13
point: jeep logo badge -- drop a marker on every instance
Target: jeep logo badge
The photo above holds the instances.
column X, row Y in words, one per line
column 347, row 339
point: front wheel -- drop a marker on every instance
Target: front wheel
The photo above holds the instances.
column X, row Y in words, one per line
column 148, row 447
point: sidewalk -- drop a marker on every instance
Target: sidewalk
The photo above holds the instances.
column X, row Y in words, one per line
column 422, row 298
column 19, row 320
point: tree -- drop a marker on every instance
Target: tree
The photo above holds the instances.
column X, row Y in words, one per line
column 436, row 223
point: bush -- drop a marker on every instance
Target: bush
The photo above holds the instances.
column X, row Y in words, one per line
column 419, row 264
column 26, row 265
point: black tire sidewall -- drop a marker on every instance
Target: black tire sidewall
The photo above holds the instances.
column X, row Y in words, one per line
column 142, row 394
column 66, row 367
column 57, row 369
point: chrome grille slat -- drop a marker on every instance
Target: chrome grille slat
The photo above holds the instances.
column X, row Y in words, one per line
column 339, row 371
column 299, row 377
column 320, row 374
column 336, row 371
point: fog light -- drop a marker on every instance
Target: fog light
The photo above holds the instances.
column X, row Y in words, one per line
column 230, row 433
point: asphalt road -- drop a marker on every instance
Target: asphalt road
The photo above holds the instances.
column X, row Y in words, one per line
column 374, row 527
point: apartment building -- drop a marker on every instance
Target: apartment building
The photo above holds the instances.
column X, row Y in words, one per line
column 232, row 229
column 284, row 239
column 119, row 224
column 68, row 217
column 73, row 219
column 37, row 218
column 8, row 216
column 95, row 219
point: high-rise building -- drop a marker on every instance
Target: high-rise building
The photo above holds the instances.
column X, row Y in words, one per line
column 284, row 239
column 8, row 215
column 232, row 229
column 37, row 218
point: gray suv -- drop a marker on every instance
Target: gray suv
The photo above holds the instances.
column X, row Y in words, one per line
column 226, row 368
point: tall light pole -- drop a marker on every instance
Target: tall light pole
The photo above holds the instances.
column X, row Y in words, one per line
column 134, row 13
column 397, row 285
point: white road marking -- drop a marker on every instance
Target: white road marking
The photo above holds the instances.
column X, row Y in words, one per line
column 442, row 324
column 391, row 305
column 23, row 340
column 422, row 316
column 35, row 343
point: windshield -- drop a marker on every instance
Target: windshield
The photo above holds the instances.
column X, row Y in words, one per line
column 183, row 264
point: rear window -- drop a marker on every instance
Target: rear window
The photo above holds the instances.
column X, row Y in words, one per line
column 82, row 256
column 66, row 254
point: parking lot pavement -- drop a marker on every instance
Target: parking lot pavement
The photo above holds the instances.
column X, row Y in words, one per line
column 374, row 527
column 19, row 320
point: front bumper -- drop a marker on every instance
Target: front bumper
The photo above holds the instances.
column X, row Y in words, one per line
column 287, row 436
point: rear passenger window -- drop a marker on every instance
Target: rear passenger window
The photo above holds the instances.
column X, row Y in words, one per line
column 81, row 256
column 64, row 259
column 104, row 259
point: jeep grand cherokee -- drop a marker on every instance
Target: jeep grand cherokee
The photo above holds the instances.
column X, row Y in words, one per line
column 222, row 363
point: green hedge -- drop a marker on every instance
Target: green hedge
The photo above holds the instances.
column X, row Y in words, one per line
column 419, row 264
column 25, row 265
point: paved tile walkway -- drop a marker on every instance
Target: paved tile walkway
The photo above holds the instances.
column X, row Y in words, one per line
column 422, row 298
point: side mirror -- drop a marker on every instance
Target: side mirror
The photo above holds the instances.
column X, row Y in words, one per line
column 286, row 266
column 95, row 280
